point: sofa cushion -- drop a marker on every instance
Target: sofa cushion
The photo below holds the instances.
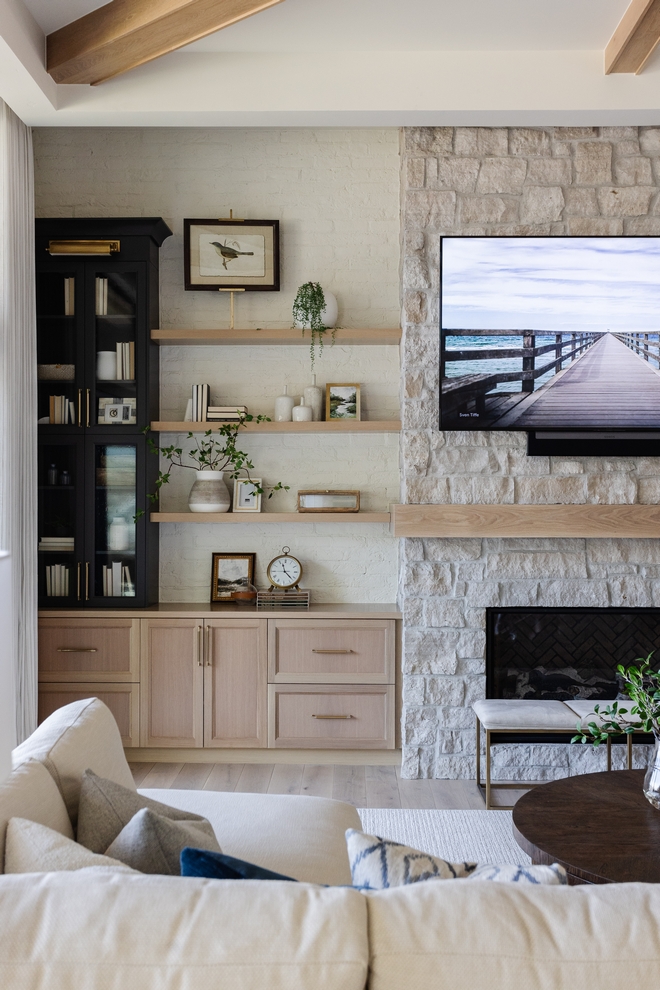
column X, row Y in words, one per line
column 83, row 930
column 33, row 848
column 496, row 936
column 218, row 866
column 377, row 864
column 299, row 836
column 152, row 843
column 80, row 735
column 30, row 792
column 106, row 808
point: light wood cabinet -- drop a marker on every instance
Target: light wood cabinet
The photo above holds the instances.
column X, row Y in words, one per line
column 227, row 681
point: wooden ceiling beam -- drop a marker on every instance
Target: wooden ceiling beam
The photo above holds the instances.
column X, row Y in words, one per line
column 127, row 33
column 635, row 38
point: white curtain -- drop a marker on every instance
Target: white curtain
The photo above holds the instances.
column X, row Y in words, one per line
column 18, row 404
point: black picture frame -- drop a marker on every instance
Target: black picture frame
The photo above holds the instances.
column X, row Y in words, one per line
column 204, row 267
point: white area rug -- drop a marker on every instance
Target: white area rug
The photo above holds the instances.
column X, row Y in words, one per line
column 481, row 836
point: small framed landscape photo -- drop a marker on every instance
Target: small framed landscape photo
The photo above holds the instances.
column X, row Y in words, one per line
column 246, row 498
column 342, row 400
column 231, row 254
column 230, row 573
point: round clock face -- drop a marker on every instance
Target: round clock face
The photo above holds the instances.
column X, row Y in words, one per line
column 284, row 571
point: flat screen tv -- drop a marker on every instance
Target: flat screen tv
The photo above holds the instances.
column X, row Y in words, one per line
column 554, row 334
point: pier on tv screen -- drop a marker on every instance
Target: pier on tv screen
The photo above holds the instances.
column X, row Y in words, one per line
column 550, row 333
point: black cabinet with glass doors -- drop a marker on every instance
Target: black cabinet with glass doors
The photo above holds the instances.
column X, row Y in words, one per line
column 97, row 370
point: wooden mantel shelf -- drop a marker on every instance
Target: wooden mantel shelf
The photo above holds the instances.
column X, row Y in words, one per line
column 592, row 521
column 270, row 517
column 277, row 336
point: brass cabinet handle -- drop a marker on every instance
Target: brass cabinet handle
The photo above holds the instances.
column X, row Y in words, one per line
column 79, row 564
column 333, row 716
column 209, row 662
column 199, row 645
column 87, row 402
column 86, row 580
column 333, row 651
column 75, row 649
column 79, row 413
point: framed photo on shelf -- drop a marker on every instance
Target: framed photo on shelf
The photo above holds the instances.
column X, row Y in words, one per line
column 246, row 499
column 232, row 254
column 342, row 400
column 119, row 411
column 230, row 572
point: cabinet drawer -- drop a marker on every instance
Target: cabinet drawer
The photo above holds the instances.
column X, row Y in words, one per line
column 350, row 651
column 89, row 650
column 123, row 700
column 337, row 716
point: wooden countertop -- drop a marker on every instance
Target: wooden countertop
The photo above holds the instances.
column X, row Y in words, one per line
column 184, row 610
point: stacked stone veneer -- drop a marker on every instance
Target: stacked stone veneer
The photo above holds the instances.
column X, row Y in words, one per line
column 516, row 181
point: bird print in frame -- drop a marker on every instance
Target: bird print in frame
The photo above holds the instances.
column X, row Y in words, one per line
column 232, row 254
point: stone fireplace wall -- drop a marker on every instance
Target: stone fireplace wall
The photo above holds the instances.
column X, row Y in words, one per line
column 516, row 181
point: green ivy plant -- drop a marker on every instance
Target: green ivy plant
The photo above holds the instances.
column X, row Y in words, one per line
column 215, row 451
column 642, row 685
column 307, row 308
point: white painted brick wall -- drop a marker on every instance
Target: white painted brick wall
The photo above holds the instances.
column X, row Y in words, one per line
column 336, row 194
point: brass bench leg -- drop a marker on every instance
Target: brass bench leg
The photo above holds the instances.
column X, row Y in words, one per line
column 487, row 769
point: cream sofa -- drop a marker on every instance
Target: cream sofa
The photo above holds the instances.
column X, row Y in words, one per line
column 92, row 931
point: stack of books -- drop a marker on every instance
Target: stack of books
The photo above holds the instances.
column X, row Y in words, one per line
column 69, row 296
column 101, row 297
column 59, row 544
column 200, row 403
column 228, row 414
column 61, row 410
column 57, row 581
column 126, row 360
column 117, row 581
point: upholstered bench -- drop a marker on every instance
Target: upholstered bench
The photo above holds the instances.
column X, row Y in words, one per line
column 523, row 717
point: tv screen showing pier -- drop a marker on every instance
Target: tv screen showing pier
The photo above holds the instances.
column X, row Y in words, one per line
column 555, row 333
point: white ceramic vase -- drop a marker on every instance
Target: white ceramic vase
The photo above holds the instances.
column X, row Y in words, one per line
column 283, row 407
column 328, row 314
column 313, row 396
column 302, row 413
column 118, row 535
column 209, row 493
column 106, row 366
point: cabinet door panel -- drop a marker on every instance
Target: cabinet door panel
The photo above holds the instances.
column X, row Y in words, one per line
column 89, row 649
column 235, row 689
column 349, row 716
column 172, row 682
column 123, row 700
column 357, row 651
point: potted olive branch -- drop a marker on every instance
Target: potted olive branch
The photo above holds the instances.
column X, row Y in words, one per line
column 213, row 454
column 642, row 685
column 308, row 311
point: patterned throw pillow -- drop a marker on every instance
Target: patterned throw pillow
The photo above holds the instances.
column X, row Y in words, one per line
column 379, row 863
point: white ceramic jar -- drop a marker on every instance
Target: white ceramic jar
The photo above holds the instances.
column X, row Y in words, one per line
column 283, row 407
column 118, row 535
column 106, row 366
column 302, row 413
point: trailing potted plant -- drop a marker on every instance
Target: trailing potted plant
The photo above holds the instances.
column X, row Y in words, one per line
column 642, row 685
column 316, row 311
column 212, row 455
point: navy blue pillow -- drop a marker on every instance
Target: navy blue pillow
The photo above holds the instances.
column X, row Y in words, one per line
column 217, row 866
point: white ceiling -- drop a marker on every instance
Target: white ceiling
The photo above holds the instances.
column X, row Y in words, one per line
column 395, row 25
column 313, row 63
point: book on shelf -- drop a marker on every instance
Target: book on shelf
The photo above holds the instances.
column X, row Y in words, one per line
column 69, row 296
column 200, row 402
column 125, row 360
column 57, row 581
column 57, row 543
column 61, row 410
column 117, row 581
column 101, row 296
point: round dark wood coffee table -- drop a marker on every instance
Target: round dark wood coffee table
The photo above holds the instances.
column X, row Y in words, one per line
column 598, row 825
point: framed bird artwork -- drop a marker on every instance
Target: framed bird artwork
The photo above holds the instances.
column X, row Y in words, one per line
column 232, row 254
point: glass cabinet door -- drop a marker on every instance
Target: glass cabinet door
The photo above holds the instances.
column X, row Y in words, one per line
column 115, row 358
column 59, row 345
column 60, row 478
column 113, row 568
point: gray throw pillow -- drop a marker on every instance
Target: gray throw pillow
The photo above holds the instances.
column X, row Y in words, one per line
column 106, row 807
column 152, row 844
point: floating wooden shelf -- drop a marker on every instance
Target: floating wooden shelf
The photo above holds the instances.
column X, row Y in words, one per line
column 334, row 426
column 270, row 517
column 592, row 521
column 282, row 336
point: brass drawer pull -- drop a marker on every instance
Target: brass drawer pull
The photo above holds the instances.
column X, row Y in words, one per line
column 76, row 649
column 333, row 716
column 199, row 645
column 333, row 651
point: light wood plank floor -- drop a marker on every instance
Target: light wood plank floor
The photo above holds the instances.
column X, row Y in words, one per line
column 363, row 786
